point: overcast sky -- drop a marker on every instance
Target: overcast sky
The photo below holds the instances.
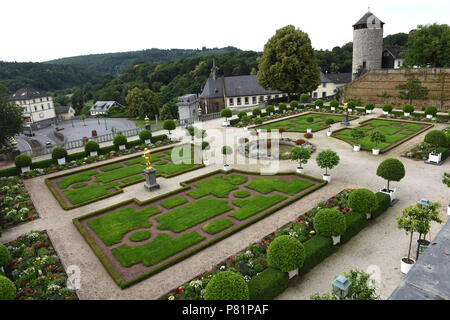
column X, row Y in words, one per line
column 41, row 30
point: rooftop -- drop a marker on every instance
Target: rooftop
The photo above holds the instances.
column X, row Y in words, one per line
column 29, row 93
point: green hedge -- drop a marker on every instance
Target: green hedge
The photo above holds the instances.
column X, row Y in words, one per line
column 384, row 202
column 445, row 152
column 14, row 171
column 317, row 249
column 355, row 222
column 234, row 122
column 268, row 284
column 43, row 164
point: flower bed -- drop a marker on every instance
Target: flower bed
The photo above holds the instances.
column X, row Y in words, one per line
column 15, row 203
column 421, row 151
column 416, row 117
column 36, row 269
column 252, row 261
column 250, row 148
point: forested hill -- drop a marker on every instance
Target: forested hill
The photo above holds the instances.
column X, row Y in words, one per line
column 48, row 77
column 116, row 63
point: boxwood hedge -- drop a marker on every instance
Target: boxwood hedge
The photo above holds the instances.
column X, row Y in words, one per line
column 268, row 284
column 384, row 202
column 316, row 250
column 355, row 222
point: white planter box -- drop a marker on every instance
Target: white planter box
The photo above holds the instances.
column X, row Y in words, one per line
column 336, row 240
column 391, row 193
column 25, row 169
column 245, row 128
column 406, row 114
column 356, row 147
column 333, row 108
column 293, row 273
column 405, row 267
column 434, row 157
column 308, row 130
column 350, row 109
column 122, row 147
column 61, row 161
column 300, row 170
column 317, row 107
column 148, row 141
column 226, row 167
column 376, row 151
column 258, row 130
column 368, row 216
column 169, row 136
column 271, row 113
column 385, row 112
column 429, row 116
column 329, row 133
column 206, row 162
column 225, row 123
column 326, row 177
column 448, row 210
column 93, row 153
column 368, row 111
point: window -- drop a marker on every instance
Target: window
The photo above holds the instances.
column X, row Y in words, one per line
column 324, row 94
column 324, row 85
column 217, row 106
column 48, row 104
column 231, row 101
column 35, row 108
column 276, row 96
column 41, row 115
column 238, row 101
column 254, row 100
column 315, row 94
column 42, row 106
column 269, row 97
column 261, row 98
column 41, row 99
column 246, row 100
column 364, row 64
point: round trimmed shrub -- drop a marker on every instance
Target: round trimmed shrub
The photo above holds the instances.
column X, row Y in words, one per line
column 119, row 140
column 387, row 108
column 7, row 289
column 169, row 125
column 304, row 97
column 294, row 104
column 310, row 119
column 431, row 110
column 334, row 103
column 408, row 108
column 281, row 107
column 330, row 222
column 241, row 114
column 225, row 113
column 318, row 102
column 286, row 253
column 436, row 138
column 5, row 256
column 91, row 146
column 205, row 145
column 351, row 104
column 270, row 108
column 363, row 201
column 145, row 135
column 391, row 169
column 227, row 150
column 258, row 121
column 329, row 121
column 58, row 153
column 22, row 160
column 256, row 112
column 370, row 106
column 227, row 285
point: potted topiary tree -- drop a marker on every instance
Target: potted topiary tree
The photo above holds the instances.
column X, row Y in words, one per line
column 282, row 107
column 191, row 132
column 356, row 134
column 226, row 113
column 226, row 150
column 364, row 201
column 392, row 170
column 23, row 162
column 302, row 155
column 245, row 121
column 310, row 120
column 241, row 114
column 408, row 109
column 407, row 222
column 351, row 105
column 227, row 285
column 387, row 108
column 446, row 180
column 169, row 125
column 256, row 112
column 5, row 257
column 329, row 122
column 424, row 216
column 334, row 104
column 59, row 154
column 436, row 138
column 377, row 137
column 430, row 112
column 145, row 136
column 91, row 148
column 327, row 159
column 287, row 254
column 293, row 104
column 370, row 107
column 270, row 109
column 304, row 98
column 318, row 103
column 205, row 146
column 330, row 223
column 120, row 141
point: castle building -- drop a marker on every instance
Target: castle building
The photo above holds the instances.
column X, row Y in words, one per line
column 37, row 106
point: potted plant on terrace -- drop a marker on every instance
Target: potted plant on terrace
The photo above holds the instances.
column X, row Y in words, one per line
column 334, row 104
column 370, row 107
column 282, row 107
column 329, row 122
column 59, row 154
column 205, row 146
column 430, row 112
column 407, row 222
column 92, row 148
column 318, row 103
column 408, row 109
column 287, row 254
column 436, row 138
column 364, row 201
column 424, row 216
column 120, row 141
column 327, row 159
column 356, row 134
column 145, row 136
column 23, row 162
column 256, row 112
column 310, row 120
column 226, row 113
column 446, row 180
column 387, row 108
column 304, row 98
column 169, row 125
column 226, row 150
column 392, row 170
column 351, row 105
column 302, row 155
column 377, row 137
column 294, row 104
column 270, row 109
column 330, row 223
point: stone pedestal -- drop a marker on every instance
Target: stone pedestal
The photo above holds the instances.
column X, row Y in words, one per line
column 150, row 180
column 345, row 120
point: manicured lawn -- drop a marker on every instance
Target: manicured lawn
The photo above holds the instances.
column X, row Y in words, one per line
column 140, row 236
column 74, row 178
column 90, row 192
column 119, row 174
column 111, row 167
column 133, row 179
column 300, row 123
column 255, row 204
column 241, row 194
column 112, row 227
column 394, row 131
column 173, row 202
column 217, row 225
column 216, row 186
column 269, row 184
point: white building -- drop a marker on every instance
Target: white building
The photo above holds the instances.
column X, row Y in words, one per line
column 102, row 107
column 37, row 106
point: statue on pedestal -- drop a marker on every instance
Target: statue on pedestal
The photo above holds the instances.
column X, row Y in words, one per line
column 345, row 116
column 147, row 157
column 150, row 173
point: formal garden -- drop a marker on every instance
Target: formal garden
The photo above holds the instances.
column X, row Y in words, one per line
column 136, row 239
column 81, row 187
column 435, row 140
column 382, row 135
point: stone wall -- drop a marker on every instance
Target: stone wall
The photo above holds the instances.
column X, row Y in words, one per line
column 370, row 86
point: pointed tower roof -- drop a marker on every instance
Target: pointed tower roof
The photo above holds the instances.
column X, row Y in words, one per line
column 370, row 18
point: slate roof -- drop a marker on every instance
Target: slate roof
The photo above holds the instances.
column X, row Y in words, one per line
column 344, row 77
column 245, row 86
column 212, row 89
column 395, row 51
column 28, row 93
column 365, row 18
column 62, row 109
column 103, row 105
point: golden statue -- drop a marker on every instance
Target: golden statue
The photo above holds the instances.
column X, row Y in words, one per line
column 147, row 159
column 345, row 107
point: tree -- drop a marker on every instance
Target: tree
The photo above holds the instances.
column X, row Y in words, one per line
column 11, row 120
column 226, row 150
column 169, row 125
column 226, row 113
column 83, row 117
column 357, row 133
column 412, row 89
column 436, row 138
column 150, row 104
column 300, row 154
column 392, row 170
column 377, row 137
column 289, row 63
column 424, row 216
column 165, row 112
column 407, row 222
column 428, row 45
column 327, row 159
column 134, row 101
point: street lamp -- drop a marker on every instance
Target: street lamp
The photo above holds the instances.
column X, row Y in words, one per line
column 341, row 286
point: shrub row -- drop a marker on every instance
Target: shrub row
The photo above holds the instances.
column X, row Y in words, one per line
column 268, row 284
column 384, row 202
column 317, row 249
column 355, row 222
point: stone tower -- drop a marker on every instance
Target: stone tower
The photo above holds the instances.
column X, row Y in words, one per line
column 367, row 44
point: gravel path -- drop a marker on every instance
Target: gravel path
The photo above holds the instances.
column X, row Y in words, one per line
column 381, row 244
